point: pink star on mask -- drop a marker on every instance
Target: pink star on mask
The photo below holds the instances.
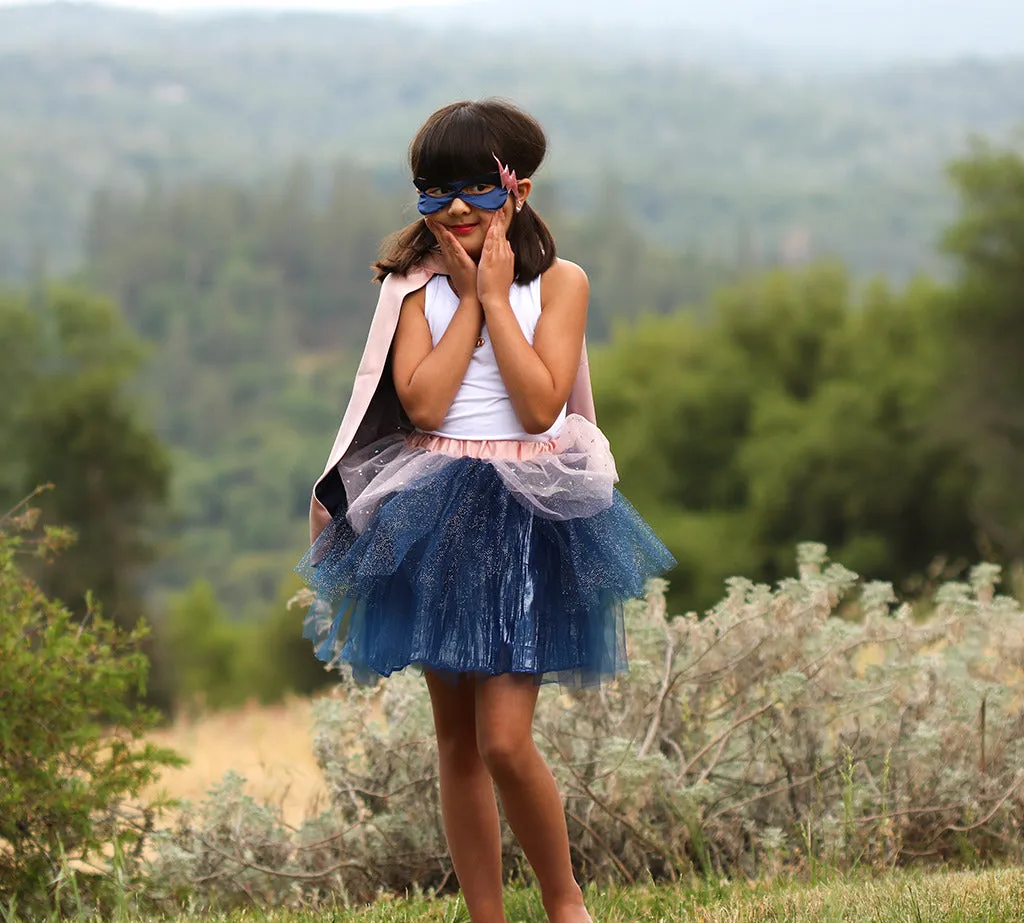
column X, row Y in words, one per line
column 508, row 178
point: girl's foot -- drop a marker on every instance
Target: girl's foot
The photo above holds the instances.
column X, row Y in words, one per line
column 577, row 916
column 569, row 913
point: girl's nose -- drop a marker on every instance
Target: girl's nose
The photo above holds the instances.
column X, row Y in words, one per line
column 458, row 207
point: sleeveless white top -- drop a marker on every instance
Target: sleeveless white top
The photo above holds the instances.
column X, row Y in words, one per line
column 482, row 408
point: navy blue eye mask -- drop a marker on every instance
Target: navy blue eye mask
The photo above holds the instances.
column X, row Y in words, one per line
column 437, row 196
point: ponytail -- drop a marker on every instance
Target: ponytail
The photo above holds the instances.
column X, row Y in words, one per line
column 532, row 244
column 403, row 250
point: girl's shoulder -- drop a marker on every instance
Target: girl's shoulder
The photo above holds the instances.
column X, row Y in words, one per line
column 415, row 275
column 413, row 282
column 564, row 277
column 417, row 298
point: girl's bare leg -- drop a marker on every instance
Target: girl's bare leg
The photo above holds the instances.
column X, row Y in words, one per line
column 468, row 806
column 529, row 794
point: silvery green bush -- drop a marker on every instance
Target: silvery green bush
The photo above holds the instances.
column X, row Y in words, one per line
column 818, row 721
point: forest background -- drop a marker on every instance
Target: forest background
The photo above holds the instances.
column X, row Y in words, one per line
column 799, row 331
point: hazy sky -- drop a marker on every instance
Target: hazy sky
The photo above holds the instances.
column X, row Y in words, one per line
column 192, row 5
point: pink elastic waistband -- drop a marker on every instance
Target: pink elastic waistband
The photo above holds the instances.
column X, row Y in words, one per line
column 503, row 449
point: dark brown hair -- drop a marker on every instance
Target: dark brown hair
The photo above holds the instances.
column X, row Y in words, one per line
column 457, row 142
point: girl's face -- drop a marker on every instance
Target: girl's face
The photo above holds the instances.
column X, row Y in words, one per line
column 468, row 222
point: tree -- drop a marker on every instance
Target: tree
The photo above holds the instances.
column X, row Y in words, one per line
column 855, row 462
column 203, row 647
column 796, row 412
column 69, row 420
column 985, row 326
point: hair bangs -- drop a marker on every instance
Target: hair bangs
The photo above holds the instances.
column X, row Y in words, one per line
column 456, row 144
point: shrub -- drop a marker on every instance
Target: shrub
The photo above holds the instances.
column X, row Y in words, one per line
column 219, row 663
column 808, row 723
column 71, row 760
column 202, row 646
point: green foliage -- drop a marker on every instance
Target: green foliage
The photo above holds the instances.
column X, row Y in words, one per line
column 813, row 725
column 275, row 658
column 984, row 325
column 257, row 301
column 68, row 419
column 72, row 757
column 630, row 275
column 217, row 662
column 796, row 411
column 202, row 647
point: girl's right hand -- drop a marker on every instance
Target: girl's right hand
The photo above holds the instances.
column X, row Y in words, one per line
column 459, row 264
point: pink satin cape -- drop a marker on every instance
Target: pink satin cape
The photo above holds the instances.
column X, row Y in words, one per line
column 374, row 410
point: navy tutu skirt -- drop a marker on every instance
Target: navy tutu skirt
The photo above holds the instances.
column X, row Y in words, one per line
column 481, row 557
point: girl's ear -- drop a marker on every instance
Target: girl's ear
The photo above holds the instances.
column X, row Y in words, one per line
column 525, row 186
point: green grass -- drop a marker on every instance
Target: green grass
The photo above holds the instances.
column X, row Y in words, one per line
column 960, row 897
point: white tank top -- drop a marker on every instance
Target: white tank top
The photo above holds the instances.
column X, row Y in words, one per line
column 482, row 408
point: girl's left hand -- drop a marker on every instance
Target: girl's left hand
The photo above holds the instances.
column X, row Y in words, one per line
column 497, row 261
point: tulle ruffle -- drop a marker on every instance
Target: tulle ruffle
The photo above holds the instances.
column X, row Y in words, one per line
column 486, row 566
column 568, row 477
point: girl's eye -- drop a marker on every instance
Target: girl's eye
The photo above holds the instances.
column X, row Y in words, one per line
column 479, row 188
column 437, row 192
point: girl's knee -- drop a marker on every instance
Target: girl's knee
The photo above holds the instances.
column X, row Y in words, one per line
column 457, row 748
column 454, row 711
column 503, row 753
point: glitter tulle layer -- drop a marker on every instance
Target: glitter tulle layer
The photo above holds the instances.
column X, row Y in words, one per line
column 518, row 562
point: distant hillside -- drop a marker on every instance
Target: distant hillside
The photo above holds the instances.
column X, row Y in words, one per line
column 706, row 156
column 818, row 30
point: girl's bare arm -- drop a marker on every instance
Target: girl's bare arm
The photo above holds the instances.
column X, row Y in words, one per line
column 540, row 377
column 427, row 378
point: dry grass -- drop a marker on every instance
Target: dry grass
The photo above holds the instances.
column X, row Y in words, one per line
column 271, row 746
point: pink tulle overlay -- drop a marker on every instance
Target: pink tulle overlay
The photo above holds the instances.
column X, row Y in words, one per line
column 570, row 476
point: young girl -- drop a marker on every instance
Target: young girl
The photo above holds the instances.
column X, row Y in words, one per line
column 466, row 522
